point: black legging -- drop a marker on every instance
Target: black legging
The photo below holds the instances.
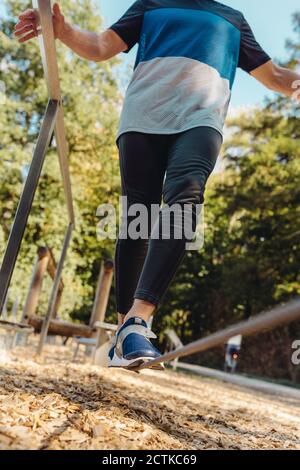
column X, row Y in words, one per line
column 145, row 268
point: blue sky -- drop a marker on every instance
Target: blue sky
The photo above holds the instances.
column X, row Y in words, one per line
column 272, row 25
column 271, row 21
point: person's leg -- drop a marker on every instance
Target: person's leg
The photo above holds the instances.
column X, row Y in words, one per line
column 192, row 156
column 143, row 165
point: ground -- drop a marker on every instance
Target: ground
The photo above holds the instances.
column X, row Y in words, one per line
column 52, row 403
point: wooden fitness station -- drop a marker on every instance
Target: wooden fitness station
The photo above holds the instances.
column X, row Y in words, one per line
column 53, row 122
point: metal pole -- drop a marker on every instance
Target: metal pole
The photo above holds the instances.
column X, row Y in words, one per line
column 25, row 204
column 52, row 271
column 263, row 322
column 52, row 301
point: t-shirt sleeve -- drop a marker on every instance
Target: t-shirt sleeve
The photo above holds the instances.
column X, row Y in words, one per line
column 251, row 53
column 129, row 26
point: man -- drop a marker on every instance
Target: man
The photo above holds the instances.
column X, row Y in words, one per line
column 170, row 131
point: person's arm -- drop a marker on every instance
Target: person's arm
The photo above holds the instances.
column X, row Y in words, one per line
column 89, row 45
column 254, row 60
column 92, row 46
column 278, row 78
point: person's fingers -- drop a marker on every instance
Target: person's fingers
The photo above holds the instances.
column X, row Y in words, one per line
column 56, row 9
column 21, row 31
column 28, row 36
column 28, row 14
column 23, row 23
column 21, row 26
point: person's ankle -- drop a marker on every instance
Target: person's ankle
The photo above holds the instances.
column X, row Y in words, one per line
column 121, row 318
column 140, row 309
column 137, row 315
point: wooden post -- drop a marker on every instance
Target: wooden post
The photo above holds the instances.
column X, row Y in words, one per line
column 61, row 328
column 55, row 289
column 36, row 283
column 50, row 65
column 102, row 292
column 101, row 301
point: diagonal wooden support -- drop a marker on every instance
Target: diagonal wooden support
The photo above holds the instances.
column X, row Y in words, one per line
column 53, row 298
column 26, row 200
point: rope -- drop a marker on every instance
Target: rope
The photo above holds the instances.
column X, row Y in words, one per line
column 265, row 321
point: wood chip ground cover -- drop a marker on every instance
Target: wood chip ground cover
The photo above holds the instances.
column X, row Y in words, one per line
column 52, row 403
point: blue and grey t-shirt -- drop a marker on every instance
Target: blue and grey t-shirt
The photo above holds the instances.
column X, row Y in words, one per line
column 188, row 54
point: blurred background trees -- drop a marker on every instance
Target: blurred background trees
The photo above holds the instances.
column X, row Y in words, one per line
column 91, row 103
column 250, row 260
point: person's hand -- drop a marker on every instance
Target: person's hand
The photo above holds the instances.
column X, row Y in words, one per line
column 26, row 28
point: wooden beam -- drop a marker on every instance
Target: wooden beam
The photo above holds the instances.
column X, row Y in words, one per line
column 63, row 153
column 61, row 328
column 50, row 65
column 278, row 316
column 15, row 327
column 47, row 47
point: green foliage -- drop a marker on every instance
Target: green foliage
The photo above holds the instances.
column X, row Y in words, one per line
column 91, row 102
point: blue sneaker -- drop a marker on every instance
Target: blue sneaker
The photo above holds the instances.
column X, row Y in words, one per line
column 132, row 347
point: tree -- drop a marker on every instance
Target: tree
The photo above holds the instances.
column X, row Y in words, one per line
column 91, row 102
column 250, row 261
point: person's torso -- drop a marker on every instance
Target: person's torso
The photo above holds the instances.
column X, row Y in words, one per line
column 185, row 68
column 201, row 30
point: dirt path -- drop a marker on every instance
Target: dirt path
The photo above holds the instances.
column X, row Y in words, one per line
column 55, row 404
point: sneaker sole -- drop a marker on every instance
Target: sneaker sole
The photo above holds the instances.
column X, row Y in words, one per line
column 133, row 363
